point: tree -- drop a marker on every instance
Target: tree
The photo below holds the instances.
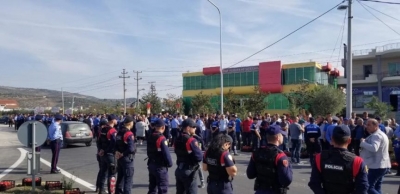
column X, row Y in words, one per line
column 233, row 104
column 326, row 99
column 154, row 101
column 298, row 99
column 381, row 109
column 173, row 103
column 256, row 102
column 201, row 103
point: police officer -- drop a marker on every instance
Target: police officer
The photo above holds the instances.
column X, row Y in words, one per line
column 220, row 165
column 232, row 134
column 255, row 135
column 270, row 166
column 188, row 156
column 159, row 160
column 311, row 135
column 263, row 132
column 338, row 170
column 214, row 128
column 97, row 131
column 125, row 153
column 106, row 147
column 55, row 137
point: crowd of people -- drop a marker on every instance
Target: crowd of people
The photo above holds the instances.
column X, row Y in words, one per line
column 347, row 155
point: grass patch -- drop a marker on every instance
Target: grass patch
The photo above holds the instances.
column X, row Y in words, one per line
column 28, row 189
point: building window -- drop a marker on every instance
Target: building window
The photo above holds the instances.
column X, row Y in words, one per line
column 277, row 102
column 394, row 69
column 359, row 100
column 367, row 70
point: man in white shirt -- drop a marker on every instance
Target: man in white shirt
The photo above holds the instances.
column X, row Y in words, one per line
column 375, row 152
column 223, row 124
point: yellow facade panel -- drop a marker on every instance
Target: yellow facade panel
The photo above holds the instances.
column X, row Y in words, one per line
column 297, row 65
column 276, row 111
column 289, row 88
column 192, row 74
column 189, row 93
column 236, row 90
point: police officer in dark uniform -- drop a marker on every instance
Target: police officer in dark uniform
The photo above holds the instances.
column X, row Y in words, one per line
column 214, row 128
column 263, row 132
column 255, row 135
column 270, row 166
column 311, row 135
column 232, row 134
column 125, row 153
column 188, row 156
column 159, row 160
column 106, row 147
column 338, row 170
column 97, row 132
column 220, row 165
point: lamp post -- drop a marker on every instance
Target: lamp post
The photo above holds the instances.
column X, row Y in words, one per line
column 349, row 60
column 220, row 57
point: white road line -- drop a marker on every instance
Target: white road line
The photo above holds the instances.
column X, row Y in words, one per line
column 16, row 164
column 72, row 177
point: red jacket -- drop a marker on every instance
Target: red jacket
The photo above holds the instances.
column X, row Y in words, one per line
column 246, row 125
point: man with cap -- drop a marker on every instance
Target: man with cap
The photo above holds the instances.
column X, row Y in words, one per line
column 329, row 130
column 214, row 128
column 125, row 153
column 56, row 138
column 311, row 135
column 338, row 170
column 220, row 165
column 97, row 130
column 175, row 127
column 270, row 166
column 159, row 160
column 188, row 156
column 106, row 147
column 232, row 134
column 263, row 132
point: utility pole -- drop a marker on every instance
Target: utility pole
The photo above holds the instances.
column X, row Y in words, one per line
column 124, row 77
column 152, row 87
column 137, row 87
column 349, row 67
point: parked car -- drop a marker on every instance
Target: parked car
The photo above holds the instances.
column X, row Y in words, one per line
column 4, row 119
column 76, row 132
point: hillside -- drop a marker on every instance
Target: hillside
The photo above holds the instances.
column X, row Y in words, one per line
column 32, row 97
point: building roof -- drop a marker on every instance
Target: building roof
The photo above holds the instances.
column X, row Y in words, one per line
column 9, row 103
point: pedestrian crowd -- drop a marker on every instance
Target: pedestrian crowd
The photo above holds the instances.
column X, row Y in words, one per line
column 347, row 155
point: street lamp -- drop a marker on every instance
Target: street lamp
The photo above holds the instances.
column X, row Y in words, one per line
column 349, row 64
column 220, row 57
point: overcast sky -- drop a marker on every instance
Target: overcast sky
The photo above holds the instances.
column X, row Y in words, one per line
column 83, row 46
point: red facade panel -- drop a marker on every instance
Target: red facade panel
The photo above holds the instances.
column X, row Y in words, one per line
column 211, row 70
column 270, row 76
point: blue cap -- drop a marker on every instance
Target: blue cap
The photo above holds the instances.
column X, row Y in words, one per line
column 274, row 131
column 58, row 117
column 159, row 123
column 38, row 117
column 188, row 123
column 111, row 117
column 340, row 132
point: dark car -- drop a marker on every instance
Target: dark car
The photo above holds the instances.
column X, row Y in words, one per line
column 4, row 119
column 76, row 132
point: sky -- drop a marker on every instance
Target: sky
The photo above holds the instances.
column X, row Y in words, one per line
column 83, row 46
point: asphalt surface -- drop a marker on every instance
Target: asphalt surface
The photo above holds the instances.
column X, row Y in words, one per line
column 80, row 161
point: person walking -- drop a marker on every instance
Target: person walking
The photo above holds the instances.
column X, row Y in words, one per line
column 375, row 152
column 56, row 138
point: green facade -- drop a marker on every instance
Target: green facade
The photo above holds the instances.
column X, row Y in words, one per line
column 214, row 81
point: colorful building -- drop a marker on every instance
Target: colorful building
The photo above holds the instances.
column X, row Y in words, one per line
column 272, row 77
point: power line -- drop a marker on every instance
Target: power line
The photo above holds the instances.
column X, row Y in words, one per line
column 286, row 35
column 386, row 2
column 377, row 17
column 341, row 32
column 72, row 81
column 382, row 12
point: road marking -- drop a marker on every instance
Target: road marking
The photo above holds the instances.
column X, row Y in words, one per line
column 16, row 164
column 70, row 176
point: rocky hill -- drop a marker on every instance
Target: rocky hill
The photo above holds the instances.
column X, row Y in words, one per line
column 32, row 97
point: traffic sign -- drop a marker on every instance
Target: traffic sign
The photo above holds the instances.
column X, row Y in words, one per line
column 25, row 133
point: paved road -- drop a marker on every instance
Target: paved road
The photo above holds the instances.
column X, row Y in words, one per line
column 80, row 161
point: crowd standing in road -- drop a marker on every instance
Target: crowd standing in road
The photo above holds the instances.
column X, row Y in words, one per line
column 347, row 155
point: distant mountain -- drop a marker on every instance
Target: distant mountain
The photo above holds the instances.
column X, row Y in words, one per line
column 32, row 97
